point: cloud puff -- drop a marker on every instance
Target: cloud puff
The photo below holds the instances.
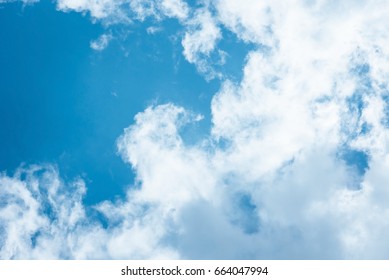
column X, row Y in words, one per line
column 100, row 9
column 295, row 164
column 175, row 8
column 200, row 40
column 101, row 43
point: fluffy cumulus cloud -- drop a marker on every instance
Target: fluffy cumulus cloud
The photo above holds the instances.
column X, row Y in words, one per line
column 294, row 166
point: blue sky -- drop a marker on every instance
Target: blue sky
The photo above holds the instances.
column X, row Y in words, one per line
column 193, row 129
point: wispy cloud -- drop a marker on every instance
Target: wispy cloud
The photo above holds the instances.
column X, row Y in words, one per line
column 119, row 11
column 101, row 43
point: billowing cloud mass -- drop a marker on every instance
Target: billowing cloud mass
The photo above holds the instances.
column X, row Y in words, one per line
column 295, row 164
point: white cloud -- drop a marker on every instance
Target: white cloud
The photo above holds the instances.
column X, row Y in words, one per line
column 42, row 218
column 99, row 9
column 175, row 8
column 144, row 8
column 200, row 40
column 251, row 20
column 168, row 171
column 38, row 213
column 101, row 43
